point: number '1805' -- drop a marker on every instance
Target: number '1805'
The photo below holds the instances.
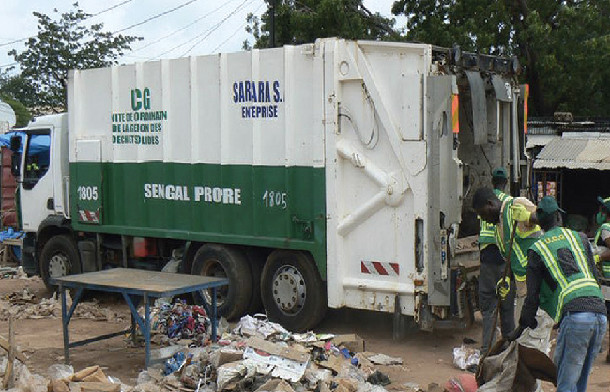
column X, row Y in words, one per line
column 87, row 193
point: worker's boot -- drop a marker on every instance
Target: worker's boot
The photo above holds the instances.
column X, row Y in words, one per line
column 608, row 356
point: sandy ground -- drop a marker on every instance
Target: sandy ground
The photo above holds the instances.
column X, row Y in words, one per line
column 427, row 356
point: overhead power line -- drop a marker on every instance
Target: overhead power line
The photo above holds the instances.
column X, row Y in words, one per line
column 155, row 16
column 90, row 16
column 182, row 28
column 201, row 34
column 215, row 27
column 236, row 31
column 111, row 8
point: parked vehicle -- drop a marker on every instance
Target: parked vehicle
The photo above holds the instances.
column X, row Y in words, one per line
column 334, row 174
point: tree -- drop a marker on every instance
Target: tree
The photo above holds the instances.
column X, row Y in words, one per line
column 22, row 113
column 19, row 89
column 564, row 45
column 302, row 21
column 65, row 44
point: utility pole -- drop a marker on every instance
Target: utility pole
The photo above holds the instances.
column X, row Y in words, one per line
column 272, row 23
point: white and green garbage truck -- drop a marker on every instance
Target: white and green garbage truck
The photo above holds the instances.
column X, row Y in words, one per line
column 333, row 174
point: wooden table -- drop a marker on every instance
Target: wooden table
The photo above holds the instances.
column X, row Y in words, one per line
column 133, row 284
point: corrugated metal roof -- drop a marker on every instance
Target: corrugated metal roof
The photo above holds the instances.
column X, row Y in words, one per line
column 575, row 154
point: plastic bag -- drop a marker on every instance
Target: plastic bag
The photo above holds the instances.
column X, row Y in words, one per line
column 464, row 358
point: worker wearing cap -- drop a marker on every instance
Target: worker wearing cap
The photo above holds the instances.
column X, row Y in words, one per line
column 527, row 232
column 602, row 244
column 492, row 269
column 563, row 281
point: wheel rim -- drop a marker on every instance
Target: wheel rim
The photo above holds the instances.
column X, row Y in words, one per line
column 59, row 265
column 289, row 290
column 214, row 269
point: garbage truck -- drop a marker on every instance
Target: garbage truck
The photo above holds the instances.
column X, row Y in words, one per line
column 333, row 174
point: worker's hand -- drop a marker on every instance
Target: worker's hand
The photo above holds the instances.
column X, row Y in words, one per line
column 503, row 288
column 520, row 213
column 597, row 258
column 514, row 335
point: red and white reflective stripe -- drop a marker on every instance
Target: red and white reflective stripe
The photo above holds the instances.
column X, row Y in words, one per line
column 379, row 268
column 89, row 216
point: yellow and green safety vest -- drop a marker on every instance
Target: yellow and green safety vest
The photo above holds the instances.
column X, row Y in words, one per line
column 487, row 234
column 518, row 257
column 579, row 283
column 605, row 263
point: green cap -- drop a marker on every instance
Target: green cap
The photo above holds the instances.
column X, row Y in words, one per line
column 500, row 172
column 605, row 202
column 547, row 206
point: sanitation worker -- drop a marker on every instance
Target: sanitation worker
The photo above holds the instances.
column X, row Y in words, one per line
column 562, row 279
column 492, row 269
column 504, row 214
column 602, row 245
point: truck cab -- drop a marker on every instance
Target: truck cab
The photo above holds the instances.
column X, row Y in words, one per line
column 40, row 165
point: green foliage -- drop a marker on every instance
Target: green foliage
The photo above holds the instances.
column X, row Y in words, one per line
column 19, row 89
column 564, row 45
column 303, row 21
column 65, row 44
column 21, row 112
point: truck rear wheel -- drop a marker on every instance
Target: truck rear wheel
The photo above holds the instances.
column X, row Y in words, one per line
column 59, row 257
column 224, row 262
column 293, row 293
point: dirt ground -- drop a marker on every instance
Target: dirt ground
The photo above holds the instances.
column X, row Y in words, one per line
column 427, row 356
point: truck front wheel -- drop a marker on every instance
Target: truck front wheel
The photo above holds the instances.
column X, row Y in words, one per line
column 293, row 293
column 59, row 257
column 225, row 262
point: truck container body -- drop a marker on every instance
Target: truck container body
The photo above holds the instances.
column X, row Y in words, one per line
column 335, row 173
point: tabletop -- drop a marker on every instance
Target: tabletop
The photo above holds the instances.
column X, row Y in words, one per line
column 137, row 281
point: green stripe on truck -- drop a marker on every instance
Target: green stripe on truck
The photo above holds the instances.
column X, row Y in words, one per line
column 268, row 206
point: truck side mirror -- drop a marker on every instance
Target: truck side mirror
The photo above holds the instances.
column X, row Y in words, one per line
column 16, row 164
column 15, row 143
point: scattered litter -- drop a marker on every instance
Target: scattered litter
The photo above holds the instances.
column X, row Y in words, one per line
column 14, row 273
column 469, row 341
column 180, row 321
column 465, row 358
column 378, row 378
column 25, row 305
column 465, row 382
column 259, row 325
column 382, row 359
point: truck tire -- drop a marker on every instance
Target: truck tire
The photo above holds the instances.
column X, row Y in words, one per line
column 256, row 259
column 59, row 257
column 293, row 293
column 225, row 262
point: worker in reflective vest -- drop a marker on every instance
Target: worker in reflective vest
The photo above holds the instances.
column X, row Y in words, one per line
column 527, row 232
column 602, row 245
column 563, row 281
column 492, row 269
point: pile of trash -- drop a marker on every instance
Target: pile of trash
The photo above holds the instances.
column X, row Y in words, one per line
column 258, row 355
column 62, row 378
column 180, row 323
column 14, row 273
column 25, row 305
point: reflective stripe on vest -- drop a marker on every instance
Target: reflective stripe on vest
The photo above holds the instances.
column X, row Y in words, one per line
column 517, row 252
column 579, row 284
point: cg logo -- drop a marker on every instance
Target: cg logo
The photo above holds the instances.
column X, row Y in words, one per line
column 140, row 99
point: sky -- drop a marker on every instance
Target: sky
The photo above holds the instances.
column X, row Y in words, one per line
column 185, row 27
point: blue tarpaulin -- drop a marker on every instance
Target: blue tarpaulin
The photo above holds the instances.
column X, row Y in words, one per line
column 38, row 143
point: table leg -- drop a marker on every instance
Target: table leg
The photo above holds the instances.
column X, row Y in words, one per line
column 214, row 316
column 64, row 322
column 147, row 329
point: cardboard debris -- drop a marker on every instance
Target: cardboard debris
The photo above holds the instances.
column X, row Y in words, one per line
column 286, row 363
column 275, row 386
column 94, row 387
column 382, row 359
column 352, row 342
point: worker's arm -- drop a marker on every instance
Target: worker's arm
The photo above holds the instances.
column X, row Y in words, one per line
column 534, row 277
column 590, row 258
column 605, row 255
column 524, row 211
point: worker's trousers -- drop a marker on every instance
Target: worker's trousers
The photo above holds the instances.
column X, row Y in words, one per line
column 492, row 270
column 578, row 343
column 540, row 337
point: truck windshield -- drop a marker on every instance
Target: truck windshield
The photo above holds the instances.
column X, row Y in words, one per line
column 37, row 158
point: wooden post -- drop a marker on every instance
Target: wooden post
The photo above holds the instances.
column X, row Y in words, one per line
column 8, row 374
